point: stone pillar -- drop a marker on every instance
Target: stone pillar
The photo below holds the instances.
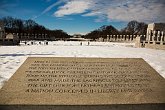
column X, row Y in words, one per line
column 32, row 36
column 110, row 37
column 46, row 36
column 138, row 42
column 134, row 37
column 114, row 37
column 144, row 38
column 17, row 34
column 131, row 37
column 117, row 37
column 153, row 36
column 24, row 36
column 107, row 38
column 124, row 38
column 35, row 36
column 121, row 38
column 162, row 38
column 127, row 38
column 149, row 36
column 98, row 39
column 102, row 39
column 40, row 36
column 158, row 36
column 28, row 35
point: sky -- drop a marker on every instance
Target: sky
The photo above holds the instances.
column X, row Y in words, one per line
column 83, row 16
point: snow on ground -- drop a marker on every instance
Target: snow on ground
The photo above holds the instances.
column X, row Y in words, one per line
column 12, row 57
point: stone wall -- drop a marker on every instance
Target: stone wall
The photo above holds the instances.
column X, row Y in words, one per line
column 155, row 46
column 117, row 38
column 31, row 36
column 154, row 40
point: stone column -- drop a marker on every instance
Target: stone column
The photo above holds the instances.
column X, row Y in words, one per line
column 43, row 36
column 32, row 35
column 17, row 35
column 162, row 38
column 114, row 37
column 107, row 38
column 29, row 36
column 35, row 36
column 144, row 38
column 25, row 36
column 134, row 37
column 124, row 37
column 102, row 39
column 131, row 38
column 153, row 37
column 46, row 36
column 98, row 39
column 110, row 37
column 117, row 37
column 158, row 35
column 121, row 38
column 40, row 36
column 137, row 42
column 149, row 36
column 127, row 38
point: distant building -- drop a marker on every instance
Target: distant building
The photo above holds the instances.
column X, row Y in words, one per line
column 7, row 39
column 78, row 37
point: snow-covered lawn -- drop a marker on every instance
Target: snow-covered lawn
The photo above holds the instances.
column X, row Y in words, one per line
column 11, row 57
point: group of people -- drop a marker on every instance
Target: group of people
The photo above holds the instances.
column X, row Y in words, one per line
column 32, row 43
column 82, row 43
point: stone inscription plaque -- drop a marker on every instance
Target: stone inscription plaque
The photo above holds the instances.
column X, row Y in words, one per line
column 84, row 81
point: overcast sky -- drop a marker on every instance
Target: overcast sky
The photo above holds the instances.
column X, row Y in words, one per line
column 82, row 16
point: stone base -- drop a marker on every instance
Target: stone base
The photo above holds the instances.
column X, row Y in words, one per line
column 86, row 107
column 155, row 46
column 58, row 83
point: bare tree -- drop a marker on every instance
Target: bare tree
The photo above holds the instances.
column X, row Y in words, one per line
column 14, row 25
column 134, row 27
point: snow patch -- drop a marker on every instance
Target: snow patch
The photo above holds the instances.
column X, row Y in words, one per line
column 12, row 57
